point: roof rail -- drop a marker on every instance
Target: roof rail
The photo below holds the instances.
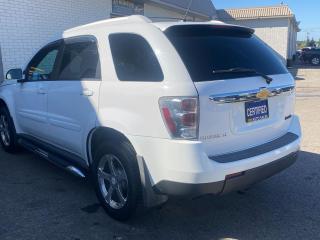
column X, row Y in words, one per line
column 136, row 18
column 168, row 18
column 216, row 21
column 119, row 20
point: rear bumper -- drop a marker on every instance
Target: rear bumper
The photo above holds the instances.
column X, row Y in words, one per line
column 183, row 168
column 243, row 181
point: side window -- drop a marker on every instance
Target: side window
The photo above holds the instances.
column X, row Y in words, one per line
column 134, row 59
column 80, row 60
column 41, row 66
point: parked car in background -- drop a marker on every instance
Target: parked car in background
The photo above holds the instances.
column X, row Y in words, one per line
column 310, row 55
column 299, row 51
column 151, row 110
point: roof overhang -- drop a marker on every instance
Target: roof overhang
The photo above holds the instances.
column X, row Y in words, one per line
column 276, row 12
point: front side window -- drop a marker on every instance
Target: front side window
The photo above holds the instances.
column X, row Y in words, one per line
column 80, row 60
column 42, row 65
column 134, row 59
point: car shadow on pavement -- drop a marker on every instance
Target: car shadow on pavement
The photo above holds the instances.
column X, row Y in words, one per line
column 40, row 201
column 294, row 73
column 282, row 207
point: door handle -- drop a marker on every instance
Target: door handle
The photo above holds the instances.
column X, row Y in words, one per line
column 42, row 90
column 87, row 92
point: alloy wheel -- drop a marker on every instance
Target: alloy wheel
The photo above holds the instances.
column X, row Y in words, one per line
column 315, row 61
column 4, row 130
column 113, row 181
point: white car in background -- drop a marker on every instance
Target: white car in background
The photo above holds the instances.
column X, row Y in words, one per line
column 151, row 110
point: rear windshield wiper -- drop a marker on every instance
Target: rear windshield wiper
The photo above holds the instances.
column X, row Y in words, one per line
column 244, row 70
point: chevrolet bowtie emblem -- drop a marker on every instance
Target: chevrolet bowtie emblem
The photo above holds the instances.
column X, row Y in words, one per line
column 263, row 94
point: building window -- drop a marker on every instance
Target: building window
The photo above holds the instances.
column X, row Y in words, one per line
column 127, row 7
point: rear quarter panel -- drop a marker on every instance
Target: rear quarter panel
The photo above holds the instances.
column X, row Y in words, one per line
column 133, row 107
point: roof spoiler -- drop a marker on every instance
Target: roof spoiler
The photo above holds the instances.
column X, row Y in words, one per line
column 235, row 27
column 215, row 25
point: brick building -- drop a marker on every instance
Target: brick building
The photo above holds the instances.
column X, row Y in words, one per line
column 27, row 25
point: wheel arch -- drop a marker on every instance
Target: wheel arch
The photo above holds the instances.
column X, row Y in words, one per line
column 99, row 134
column 149, row 197
column 7, row 100
column 3, row 103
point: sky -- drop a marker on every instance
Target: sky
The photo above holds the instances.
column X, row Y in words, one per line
column 307, row 12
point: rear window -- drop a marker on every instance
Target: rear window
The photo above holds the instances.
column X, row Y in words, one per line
column 207, row 48
column 134, row 59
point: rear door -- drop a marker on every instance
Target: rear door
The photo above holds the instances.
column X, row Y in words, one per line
column 73, row 95
column 238, row 110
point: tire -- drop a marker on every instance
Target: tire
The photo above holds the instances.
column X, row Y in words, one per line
column 8, row 136
column 123, row 181
column 315, row 60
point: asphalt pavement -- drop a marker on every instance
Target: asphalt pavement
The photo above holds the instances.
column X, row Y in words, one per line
column 40, row 201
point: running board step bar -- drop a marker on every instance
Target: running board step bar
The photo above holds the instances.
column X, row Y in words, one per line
column 52, row 158
column 75, row 171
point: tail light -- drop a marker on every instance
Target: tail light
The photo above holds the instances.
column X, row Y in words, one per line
column 181, row 116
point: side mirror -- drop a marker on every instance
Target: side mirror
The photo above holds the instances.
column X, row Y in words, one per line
column 14, row 74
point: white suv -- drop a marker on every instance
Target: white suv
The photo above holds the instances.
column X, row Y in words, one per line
column 151, row 110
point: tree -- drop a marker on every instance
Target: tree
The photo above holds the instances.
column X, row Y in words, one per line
column 308, row 41
column 311, row 43
column 301, row 44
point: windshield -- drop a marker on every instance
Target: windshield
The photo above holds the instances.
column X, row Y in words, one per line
column 206, row 49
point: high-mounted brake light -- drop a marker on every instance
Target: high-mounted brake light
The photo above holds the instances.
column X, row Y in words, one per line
column 180, row 115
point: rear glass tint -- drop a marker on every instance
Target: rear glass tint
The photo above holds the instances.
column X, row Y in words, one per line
column 208, row 48
column 134, row 59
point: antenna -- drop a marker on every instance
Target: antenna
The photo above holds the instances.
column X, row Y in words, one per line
column 187, row 12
